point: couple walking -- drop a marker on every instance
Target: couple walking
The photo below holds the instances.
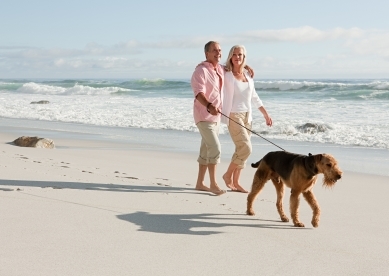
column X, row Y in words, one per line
column 228, row 89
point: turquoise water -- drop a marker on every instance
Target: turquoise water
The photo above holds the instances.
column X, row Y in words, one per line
column 334, row 112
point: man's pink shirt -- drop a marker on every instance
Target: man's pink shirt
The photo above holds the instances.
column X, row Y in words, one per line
column 205, row 79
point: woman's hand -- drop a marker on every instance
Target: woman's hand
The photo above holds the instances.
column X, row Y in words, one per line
column 269, row 121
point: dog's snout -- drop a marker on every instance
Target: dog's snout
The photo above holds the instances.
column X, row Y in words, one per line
column 339, row 176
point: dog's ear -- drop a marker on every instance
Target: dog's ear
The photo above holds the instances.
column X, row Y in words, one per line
column 310, row 164
column 319, row 157
column 256, row 165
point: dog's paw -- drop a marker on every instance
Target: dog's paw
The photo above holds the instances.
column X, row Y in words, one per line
column 299, row 224
column 250, row 212
column 284, row 219
column 315, row 223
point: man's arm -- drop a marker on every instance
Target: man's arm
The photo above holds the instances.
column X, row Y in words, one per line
column 208, row 105
column 250, row 70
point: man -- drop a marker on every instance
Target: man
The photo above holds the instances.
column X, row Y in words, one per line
column 207, row 85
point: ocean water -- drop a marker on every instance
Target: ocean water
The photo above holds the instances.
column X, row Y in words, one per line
column 352, row 113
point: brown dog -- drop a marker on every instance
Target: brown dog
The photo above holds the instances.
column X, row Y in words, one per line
column 298, row 172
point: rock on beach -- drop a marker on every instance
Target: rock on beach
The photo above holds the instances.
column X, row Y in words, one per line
column 40, row 102
column 34, row 142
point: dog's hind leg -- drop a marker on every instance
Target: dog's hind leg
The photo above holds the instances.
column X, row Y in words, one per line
column 279, row 185
column 294, row 208
column 260, row 178
column 311, row 199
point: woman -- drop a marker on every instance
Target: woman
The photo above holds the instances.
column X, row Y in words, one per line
column 239, row 95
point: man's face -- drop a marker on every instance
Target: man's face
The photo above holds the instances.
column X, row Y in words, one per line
column 214, row 54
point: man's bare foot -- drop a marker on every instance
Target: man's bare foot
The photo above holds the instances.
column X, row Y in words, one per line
column 239, row 188
column 216, row 190
column 228, row 181
column 202, row 187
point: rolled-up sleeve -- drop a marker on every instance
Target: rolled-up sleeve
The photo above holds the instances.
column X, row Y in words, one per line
column 255, row 100
column 198, row 81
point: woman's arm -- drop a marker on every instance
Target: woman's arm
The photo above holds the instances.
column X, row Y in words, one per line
column 269, row 121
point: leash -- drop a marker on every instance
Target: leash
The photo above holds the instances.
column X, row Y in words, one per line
column 252, row 131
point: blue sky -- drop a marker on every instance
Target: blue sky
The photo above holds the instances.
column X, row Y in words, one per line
column 165, row 39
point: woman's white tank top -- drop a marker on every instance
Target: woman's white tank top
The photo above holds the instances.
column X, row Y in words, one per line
column 241, row 99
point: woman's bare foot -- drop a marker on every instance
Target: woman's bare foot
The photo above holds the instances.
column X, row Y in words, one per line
column 239, row 188
column 228, row 181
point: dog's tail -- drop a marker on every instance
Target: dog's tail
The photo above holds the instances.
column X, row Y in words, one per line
column 256, row 165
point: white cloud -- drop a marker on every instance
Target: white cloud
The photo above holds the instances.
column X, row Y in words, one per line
column 335, row 51
column 301, row 35
column 120, row 64
column 297, row 35
column 374, row 43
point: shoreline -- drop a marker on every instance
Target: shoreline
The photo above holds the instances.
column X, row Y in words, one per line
column 352, row 158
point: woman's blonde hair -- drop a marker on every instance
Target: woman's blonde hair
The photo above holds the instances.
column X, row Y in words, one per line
column 229, row 62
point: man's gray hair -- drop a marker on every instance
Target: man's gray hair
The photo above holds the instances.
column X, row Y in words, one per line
column 208, row 45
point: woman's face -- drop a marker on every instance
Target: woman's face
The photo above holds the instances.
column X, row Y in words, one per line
column 237, row 57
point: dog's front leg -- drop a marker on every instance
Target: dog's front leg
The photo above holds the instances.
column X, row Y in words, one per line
column 311, row 199
column 294, row 208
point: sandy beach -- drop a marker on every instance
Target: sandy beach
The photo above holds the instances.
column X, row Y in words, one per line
column 109, row 207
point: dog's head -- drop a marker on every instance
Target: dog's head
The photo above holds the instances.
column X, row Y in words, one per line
column 328, row 166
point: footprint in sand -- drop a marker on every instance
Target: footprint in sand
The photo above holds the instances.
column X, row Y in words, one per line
column 37, row 162
column 160, row 184
column 266, row 200
column 87, row 172
column 65, row 167
column 129, row 177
